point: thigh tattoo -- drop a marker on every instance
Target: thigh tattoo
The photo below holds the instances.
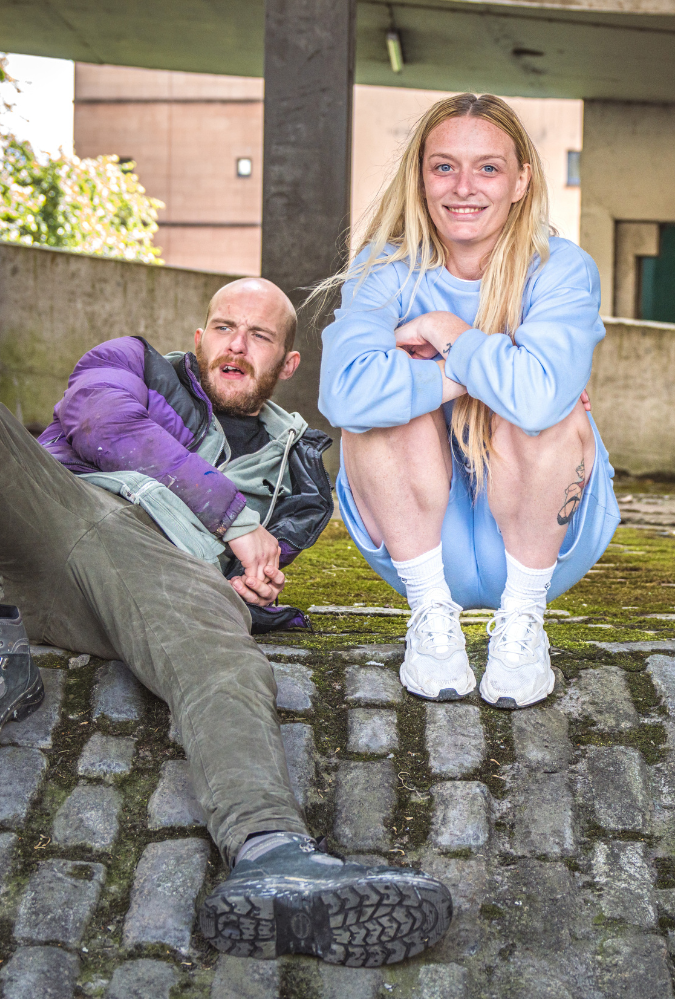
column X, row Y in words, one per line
column 573, row 494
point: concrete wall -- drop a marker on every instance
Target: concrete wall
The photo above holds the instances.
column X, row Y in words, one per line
column 55, row 306
column 632, row 388
column 627, row 170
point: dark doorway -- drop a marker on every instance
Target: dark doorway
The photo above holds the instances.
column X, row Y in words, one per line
column 656, row 292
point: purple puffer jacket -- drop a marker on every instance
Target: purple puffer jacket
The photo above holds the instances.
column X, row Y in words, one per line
column 128, row 408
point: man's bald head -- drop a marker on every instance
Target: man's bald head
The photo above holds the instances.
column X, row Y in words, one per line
column 259, row 291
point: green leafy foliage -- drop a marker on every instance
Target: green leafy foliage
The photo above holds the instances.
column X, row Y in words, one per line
column 95, row 206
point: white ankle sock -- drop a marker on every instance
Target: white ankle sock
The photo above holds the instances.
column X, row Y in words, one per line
column 422, row 574
column 525, row 586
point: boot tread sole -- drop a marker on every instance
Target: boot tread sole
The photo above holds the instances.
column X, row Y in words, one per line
column 367, row 922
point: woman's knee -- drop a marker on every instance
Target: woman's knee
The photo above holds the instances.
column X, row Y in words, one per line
column 574, row 428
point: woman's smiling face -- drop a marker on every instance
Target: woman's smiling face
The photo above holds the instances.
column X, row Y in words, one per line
column 471, row 178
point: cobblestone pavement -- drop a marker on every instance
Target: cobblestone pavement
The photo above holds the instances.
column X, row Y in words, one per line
column 647, row 510
column 553, row 827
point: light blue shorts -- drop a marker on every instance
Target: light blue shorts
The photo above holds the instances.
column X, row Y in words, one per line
column 473, row 550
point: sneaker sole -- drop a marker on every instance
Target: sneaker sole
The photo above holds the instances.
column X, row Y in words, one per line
column 365, row 923
column 446, row 694
column 511, row 704
column 26, row 703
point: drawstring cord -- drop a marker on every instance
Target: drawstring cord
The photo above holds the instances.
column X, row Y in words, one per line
column 284, row 460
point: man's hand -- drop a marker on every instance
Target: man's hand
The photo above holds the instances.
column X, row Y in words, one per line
column 263, row 580
column 586, row 401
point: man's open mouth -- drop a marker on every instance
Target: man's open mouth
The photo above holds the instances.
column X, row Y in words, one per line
column 232, row 371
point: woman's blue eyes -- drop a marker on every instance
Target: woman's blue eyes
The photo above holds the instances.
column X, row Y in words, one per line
column 445, row 168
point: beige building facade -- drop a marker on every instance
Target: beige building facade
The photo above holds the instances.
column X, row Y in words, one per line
column 197, row 142
column 628, row 206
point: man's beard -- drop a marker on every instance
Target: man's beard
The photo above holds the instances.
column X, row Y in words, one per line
column 230, row 400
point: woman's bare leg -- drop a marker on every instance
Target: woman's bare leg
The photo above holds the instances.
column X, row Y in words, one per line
column 536, row 484
column 400, row 479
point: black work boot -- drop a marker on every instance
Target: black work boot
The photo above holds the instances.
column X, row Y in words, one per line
column 21, row 689
column 297, row 900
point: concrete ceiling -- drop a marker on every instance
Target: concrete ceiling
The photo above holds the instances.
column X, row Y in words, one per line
column 561, row 49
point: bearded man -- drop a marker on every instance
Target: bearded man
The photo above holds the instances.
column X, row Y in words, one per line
column 185, row 472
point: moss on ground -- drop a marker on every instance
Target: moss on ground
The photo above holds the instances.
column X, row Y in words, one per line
column 632, row 579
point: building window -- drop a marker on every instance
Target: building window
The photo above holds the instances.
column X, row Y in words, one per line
column 573, row 168
column 244, row 166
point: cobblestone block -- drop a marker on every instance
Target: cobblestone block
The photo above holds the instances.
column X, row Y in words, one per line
column 238, row 978
column 441, row 981
column 295, row 689
column 460, row 815
column 526, row 975
column 167, row 881
column 662, row 783
column 88, row 817
column 350, row 983
column 543, row 815
column 663, row 646
column 634, row 968
column 300, row 751
column 21, row 773
column 537, row 905
column 372, row 685
column 620, row 798
column 143, row 979
column 468, row 884
column 624, row 877
column 371, row 731
column 665, row 901
column 455, row 739
column 283, row 650
column 364, row 803
column 48, row 650
column 540, row 738
column 58, row 902
column 379, row 654
column 40, row 973
column 36, row 730
column 7, row 844
column 117, row 693
column 601, row 695
column 106, row 756
column 173, row 802
column 662, row 671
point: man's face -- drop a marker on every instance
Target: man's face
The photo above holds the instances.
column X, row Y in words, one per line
column 241, row 352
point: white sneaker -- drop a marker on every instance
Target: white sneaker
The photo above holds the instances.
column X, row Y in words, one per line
column 518, row 669
column 436, row 664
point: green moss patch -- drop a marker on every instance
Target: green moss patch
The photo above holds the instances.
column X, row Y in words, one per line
column 626, row 584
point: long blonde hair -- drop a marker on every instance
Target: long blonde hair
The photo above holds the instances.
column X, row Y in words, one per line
column 401, row 218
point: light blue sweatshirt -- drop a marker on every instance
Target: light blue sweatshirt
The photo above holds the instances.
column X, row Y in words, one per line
column 366, row 382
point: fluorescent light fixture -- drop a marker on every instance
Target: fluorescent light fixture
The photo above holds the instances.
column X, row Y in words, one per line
column 395, row 51
column 244, row 166
column 573, row 168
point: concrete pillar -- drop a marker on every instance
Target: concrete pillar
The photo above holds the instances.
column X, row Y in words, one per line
column 309, row 76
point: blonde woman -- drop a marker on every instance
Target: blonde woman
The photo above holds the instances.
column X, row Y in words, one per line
column 473, row 474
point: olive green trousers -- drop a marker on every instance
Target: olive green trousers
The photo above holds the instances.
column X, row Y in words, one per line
column 93, row 573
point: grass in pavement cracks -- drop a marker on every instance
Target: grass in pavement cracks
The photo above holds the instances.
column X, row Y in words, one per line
column 635, row 577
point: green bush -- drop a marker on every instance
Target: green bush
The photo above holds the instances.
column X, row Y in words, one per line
column 94, row 206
